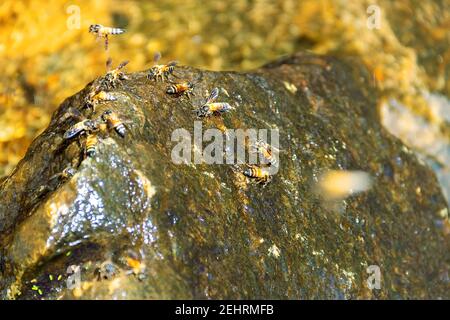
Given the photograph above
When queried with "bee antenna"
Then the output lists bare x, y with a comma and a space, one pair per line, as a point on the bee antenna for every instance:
109, 63
157, 56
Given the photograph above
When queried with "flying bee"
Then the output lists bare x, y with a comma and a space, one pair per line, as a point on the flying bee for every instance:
113, 122
210, 107
97, 96
178, 89
161, 71
261, 175
266, 151
79, 128
104, 32
115, 76
91, 144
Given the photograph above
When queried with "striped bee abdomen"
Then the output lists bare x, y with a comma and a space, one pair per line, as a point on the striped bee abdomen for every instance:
172, 89
260, 175
91, 144
220, 107
114, 31
253, 172
120, 129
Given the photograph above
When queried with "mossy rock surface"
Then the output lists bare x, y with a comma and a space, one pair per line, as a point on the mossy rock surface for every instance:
204, 231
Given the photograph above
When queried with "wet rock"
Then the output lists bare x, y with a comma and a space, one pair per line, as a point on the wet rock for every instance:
130, 223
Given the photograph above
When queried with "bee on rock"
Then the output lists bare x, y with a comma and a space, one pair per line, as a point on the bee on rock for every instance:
91, 144
210, 107
112, 120
135, 264
115, 76
260, 175
161, 71
267, 151
81, 127
104, 32
183, 88
98, 96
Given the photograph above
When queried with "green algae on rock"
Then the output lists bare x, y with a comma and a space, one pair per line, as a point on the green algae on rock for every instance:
201, 231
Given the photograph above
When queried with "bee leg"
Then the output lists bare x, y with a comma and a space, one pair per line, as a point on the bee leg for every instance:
266, 180
90, 106
106, 42
75, 163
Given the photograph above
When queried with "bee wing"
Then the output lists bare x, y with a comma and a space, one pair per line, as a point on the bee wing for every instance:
157, 56
72, 132
213, 95
108, 64
229, 106
273, 149
98, 37
172, 63
123, 64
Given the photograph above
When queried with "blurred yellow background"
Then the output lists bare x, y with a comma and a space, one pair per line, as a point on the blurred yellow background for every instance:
47, 53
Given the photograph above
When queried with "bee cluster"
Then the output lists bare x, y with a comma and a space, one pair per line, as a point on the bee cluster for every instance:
89, 130
260, 174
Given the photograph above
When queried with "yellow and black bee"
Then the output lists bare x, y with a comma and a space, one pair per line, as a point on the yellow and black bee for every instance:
210, 107
135, 264
161, 71
98, 96
104, 32
80, 128
113, 122
178, 89
115, 76
91, 144
261, 175
265, 150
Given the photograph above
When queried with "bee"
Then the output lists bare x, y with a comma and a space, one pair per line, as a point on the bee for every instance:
261, 175
115, 76
186, 88
98, 96
80, 128
161, 71
265, 150
135, 263
104, 32
91, 144
113, 122
210, 107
